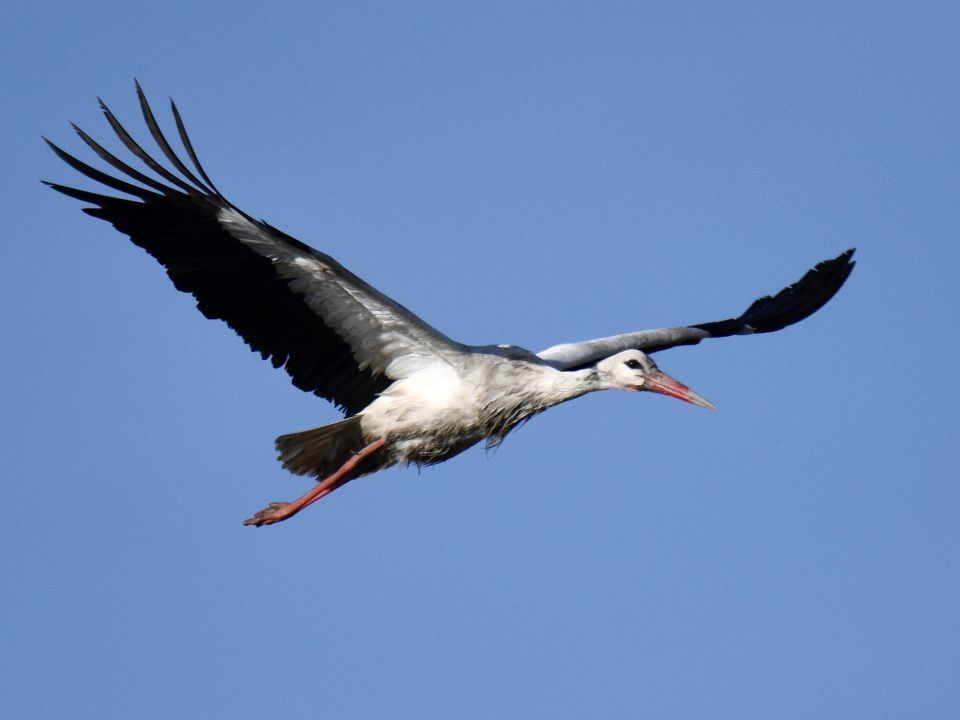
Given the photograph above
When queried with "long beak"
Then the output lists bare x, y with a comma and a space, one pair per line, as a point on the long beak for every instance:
659, 382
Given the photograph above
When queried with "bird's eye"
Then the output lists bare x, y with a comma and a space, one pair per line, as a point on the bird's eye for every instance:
633, 364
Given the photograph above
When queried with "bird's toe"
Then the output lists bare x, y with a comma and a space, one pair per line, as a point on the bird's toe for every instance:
274, 512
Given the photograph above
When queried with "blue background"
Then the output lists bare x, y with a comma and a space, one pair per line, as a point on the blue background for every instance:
525, 173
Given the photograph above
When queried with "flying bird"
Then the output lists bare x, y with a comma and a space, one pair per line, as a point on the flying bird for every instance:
408, 392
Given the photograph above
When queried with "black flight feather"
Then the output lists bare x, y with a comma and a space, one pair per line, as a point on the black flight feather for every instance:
178, 225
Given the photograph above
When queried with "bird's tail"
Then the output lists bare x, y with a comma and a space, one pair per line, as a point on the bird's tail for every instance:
321, 450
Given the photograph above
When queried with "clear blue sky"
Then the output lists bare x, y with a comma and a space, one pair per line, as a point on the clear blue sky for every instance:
528, 174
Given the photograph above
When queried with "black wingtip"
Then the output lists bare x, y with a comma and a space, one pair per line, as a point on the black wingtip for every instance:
800, 300
792, 304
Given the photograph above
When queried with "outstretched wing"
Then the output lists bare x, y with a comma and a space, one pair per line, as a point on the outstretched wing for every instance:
336, 336
767, 314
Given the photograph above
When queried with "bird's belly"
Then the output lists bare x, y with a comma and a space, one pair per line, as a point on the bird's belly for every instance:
426, 417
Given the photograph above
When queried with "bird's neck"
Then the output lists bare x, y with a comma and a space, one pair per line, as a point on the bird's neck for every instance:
542, 388
563, 385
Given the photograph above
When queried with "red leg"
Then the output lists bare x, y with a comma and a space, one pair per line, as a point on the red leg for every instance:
277, 511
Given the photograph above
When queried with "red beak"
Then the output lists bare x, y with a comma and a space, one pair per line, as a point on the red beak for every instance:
659, 382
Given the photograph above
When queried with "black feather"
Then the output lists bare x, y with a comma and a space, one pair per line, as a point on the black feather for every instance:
790, 305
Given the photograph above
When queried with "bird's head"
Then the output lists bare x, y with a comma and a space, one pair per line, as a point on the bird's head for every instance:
634, 370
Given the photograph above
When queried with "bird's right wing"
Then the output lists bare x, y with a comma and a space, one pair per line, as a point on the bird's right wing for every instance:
767, 314
336, 335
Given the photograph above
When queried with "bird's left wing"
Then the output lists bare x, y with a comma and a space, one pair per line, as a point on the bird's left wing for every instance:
767, 314
336, 335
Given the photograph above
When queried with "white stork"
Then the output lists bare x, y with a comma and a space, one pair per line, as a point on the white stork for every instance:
409, 393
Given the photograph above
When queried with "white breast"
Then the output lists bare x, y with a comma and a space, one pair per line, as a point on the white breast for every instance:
432, 397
